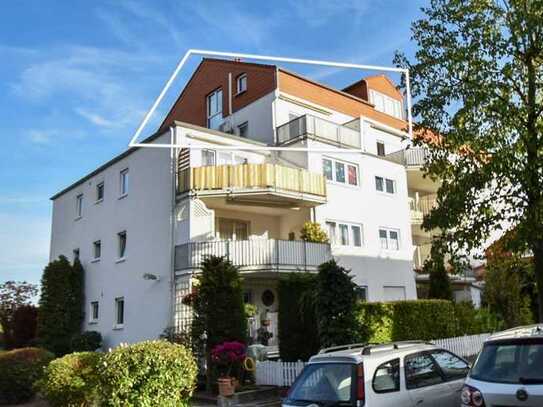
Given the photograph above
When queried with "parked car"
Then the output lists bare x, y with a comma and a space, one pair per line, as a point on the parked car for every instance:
508, 371
399, 374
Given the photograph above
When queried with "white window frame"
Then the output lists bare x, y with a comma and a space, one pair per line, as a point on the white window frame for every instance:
211, 116
380, 100
246, 126
92, 318
97, 248
79, 206
346, 165
119, 325
241, 83
208, 151
124, 179
384, 191
98, 186
389, 240
121, 252
335, 235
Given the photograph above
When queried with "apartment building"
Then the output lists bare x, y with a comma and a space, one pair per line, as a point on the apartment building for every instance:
142, 223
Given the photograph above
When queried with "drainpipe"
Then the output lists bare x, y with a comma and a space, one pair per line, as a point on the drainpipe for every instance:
230, 95
173, 171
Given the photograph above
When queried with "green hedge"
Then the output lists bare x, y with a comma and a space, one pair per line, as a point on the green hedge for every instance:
152, 373
298, 332
19, 369
71, 380
406, 320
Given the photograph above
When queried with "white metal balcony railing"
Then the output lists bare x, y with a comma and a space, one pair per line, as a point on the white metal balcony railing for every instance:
421, 207
322, 129
261, 254
411, 157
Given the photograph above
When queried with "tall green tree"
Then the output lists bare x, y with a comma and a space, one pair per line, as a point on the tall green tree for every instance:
61, 305
13, 295
477, 79
440, 284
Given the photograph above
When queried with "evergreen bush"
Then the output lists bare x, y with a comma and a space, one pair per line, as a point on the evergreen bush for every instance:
19, 369
24, 324
87, 341
61, 305
152, 373
71, 380
297, 319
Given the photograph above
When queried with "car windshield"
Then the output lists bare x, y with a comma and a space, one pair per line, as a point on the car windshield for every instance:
515, 362
327, 384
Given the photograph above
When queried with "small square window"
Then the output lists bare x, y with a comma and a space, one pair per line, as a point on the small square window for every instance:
119, 311
208, 157
123, 189
242, 83
390, 186
79, 205
243, 130
99, 192
122, 244
94, 311
379, 184
97, 248
381, 148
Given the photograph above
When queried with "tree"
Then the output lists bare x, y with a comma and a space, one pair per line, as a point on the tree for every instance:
25, 320
440, 284
61, 305
12, 296
477, 79
503, 293
335, 302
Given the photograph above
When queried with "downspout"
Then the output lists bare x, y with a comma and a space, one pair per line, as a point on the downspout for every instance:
172, 225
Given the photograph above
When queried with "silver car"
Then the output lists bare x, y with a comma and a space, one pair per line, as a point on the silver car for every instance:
401, 374
508, 371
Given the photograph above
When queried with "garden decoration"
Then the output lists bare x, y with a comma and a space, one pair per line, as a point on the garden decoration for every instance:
228, 358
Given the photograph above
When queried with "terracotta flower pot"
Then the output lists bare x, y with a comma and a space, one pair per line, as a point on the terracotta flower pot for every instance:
225, 386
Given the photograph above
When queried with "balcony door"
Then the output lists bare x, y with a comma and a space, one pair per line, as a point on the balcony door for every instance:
233, 229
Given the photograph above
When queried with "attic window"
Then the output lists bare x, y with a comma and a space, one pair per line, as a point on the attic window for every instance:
386, 104
241, 83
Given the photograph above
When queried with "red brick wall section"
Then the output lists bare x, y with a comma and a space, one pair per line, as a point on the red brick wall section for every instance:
212, 74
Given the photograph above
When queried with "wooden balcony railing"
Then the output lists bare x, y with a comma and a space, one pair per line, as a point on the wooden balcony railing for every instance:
255, 255
411, 157
321, 129
252, 176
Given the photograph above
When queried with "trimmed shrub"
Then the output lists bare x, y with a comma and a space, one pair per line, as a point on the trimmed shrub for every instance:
87, 341
297, 320
24, 323
312, 232
71, 380
152, 373
61, 305
19, 369
406, 320
335, 303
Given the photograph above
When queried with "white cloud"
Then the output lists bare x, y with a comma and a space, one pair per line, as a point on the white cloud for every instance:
95, 118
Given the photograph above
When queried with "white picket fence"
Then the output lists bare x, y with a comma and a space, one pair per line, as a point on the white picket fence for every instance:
278, 373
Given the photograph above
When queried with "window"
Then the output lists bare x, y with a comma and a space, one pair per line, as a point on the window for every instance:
99, 192
421, 371
386, 104
452, 366
119, 311
361, 292
97, 249
123, 182
208, 157
381, 148
94, 311
385, 185
387, 377
393, 293
122, 244
79, 206
390, 239
243, 129
242, 83
214, 109
344, 234
340, 172
75, 253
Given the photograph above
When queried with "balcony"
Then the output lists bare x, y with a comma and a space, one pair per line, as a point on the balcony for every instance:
421, 253
410, 157
270, 184
319, 129
421, 206
267, 255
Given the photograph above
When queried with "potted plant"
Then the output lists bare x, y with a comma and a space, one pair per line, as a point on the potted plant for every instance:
228, 357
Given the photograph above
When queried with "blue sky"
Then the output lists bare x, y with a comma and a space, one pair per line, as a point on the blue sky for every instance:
77, 77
